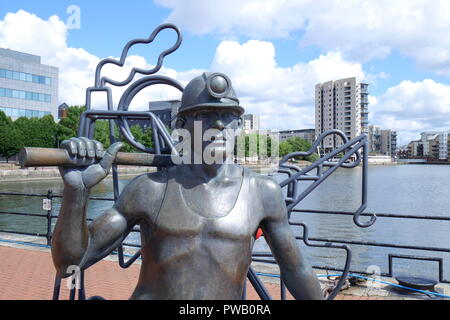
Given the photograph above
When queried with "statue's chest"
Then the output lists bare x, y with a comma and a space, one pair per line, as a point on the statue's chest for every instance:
237, 221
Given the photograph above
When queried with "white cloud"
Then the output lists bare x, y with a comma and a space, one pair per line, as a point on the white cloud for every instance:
23, 31
26, 32
265, 18
284, 96
413, 107
360, 29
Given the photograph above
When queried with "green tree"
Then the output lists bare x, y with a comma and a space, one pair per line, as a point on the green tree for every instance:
4, 119
11, 140
253, 144
68, 127
101, 132
140, 135
38, 133
297, 144
285, 148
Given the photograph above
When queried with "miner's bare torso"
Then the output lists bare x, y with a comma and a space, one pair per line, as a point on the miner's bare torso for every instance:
213, 245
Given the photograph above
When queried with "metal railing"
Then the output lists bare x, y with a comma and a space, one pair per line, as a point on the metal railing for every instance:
262, 257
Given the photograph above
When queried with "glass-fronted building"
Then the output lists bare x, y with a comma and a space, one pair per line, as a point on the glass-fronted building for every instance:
27, 87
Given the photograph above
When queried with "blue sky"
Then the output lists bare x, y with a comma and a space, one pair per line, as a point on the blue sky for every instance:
274, 51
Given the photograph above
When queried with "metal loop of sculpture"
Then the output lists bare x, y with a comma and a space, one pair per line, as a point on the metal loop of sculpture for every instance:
164, 146
349, 148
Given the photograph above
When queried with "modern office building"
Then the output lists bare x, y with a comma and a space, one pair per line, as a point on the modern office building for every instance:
341, 104
251, 122
306, 134
28, 88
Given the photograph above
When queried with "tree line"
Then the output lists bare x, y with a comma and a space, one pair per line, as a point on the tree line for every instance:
46, 133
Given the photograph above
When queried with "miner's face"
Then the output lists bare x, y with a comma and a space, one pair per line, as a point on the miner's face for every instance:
213, 131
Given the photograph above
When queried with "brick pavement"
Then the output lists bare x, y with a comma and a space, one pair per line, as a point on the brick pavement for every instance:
29, 275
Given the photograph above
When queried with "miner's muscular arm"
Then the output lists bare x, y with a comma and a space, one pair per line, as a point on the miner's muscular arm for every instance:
74, 243
298, 276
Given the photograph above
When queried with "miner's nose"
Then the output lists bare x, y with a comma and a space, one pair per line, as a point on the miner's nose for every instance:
218, 124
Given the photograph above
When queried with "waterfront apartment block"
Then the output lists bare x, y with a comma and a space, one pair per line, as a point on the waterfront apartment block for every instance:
382, 142
374, 139
389, 142
251, 122
28, 88
434, 145
306, 134
341, 104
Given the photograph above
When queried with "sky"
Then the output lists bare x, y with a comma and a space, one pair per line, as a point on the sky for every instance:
273, 51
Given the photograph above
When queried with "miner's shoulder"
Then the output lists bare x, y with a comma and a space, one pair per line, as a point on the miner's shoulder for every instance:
264, 182
143, 192
156, 179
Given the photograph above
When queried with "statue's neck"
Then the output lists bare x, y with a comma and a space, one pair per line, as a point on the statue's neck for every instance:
208, 172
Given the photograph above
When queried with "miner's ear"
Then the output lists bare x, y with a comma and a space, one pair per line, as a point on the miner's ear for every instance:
180, 122
240, 121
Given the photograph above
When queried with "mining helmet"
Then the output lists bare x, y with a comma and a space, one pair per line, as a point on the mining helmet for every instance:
210, 90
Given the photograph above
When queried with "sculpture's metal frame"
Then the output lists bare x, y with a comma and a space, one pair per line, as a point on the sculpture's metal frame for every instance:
164, 148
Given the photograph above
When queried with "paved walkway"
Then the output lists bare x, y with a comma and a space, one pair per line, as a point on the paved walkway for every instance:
29, 275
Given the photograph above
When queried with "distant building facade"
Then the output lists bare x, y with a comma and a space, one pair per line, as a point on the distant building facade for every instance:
389, 142
251, 122
166, 111
62, 111
28, 88
382, 142
341, 104
374, 139
306, 134
433, 145
444, 145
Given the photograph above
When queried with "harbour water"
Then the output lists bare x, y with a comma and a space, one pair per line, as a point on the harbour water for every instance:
401, 189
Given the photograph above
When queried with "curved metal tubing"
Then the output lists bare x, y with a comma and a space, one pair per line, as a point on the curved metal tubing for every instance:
91, 115
125, 264
128, 96
100, 82
350, 148
348, 258
324, 159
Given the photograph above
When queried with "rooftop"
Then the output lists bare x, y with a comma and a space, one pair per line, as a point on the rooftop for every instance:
25, 57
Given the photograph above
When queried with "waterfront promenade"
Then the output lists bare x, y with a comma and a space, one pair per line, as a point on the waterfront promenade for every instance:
27, 273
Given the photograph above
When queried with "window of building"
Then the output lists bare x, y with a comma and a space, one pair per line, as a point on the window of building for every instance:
22, 76
14, 112
26, 95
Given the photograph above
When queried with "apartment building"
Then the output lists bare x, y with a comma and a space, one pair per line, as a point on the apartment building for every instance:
341, 104
388, 142
435, 145
251, 122
374, 138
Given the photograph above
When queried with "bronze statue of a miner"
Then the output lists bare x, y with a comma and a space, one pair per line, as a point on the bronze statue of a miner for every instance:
197, 220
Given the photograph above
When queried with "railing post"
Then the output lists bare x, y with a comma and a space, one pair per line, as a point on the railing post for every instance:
49, 217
